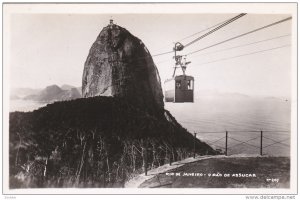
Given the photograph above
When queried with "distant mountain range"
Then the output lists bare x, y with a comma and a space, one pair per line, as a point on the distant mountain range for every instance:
216, 95
49, 94
69, 87
67, 92
19, 93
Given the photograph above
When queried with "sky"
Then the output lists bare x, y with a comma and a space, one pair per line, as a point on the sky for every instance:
49, 49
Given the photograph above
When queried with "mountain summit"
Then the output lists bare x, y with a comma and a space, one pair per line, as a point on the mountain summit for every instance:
120, 65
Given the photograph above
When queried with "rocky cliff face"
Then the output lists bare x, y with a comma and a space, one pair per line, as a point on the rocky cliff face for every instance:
119, 64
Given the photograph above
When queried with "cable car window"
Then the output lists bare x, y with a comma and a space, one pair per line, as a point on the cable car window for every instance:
190, 84
178, 84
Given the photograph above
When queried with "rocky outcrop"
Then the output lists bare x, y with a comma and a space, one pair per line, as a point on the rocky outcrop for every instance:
120, 65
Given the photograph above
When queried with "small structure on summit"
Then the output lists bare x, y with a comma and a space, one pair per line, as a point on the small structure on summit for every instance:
120, 65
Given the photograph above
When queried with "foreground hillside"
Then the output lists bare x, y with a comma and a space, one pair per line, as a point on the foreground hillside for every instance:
93, 142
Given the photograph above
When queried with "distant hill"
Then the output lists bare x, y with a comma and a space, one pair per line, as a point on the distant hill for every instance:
93, 142
215, 95
54, 93
67, 87
200, 93
14, 97
22, 92
277, 98
79, 90
235, 96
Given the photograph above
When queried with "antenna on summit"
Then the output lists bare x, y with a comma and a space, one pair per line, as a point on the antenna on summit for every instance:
111, 22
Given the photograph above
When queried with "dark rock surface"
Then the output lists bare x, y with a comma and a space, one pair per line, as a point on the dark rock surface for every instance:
120, 65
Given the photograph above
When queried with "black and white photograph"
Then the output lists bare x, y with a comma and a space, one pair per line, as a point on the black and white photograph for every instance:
187, 98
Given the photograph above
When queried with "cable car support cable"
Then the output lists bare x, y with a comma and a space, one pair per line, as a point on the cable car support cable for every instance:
223, 24
234, 47
204, 30
215, 29
242, 55
241, 35
244, 45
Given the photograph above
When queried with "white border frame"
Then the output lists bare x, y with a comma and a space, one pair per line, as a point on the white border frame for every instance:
150, 8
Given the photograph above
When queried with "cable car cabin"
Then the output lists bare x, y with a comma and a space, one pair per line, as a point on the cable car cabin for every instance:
179, 89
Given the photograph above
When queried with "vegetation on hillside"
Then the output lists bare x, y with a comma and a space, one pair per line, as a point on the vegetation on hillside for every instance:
92, 142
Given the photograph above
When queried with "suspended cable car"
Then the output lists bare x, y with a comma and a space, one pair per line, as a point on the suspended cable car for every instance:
179, 88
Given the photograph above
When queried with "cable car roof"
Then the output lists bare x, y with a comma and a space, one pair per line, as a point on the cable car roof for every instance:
180, 77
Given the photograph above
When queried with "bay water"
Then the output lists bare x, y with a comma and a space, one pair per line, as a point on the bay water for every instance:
243, 119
